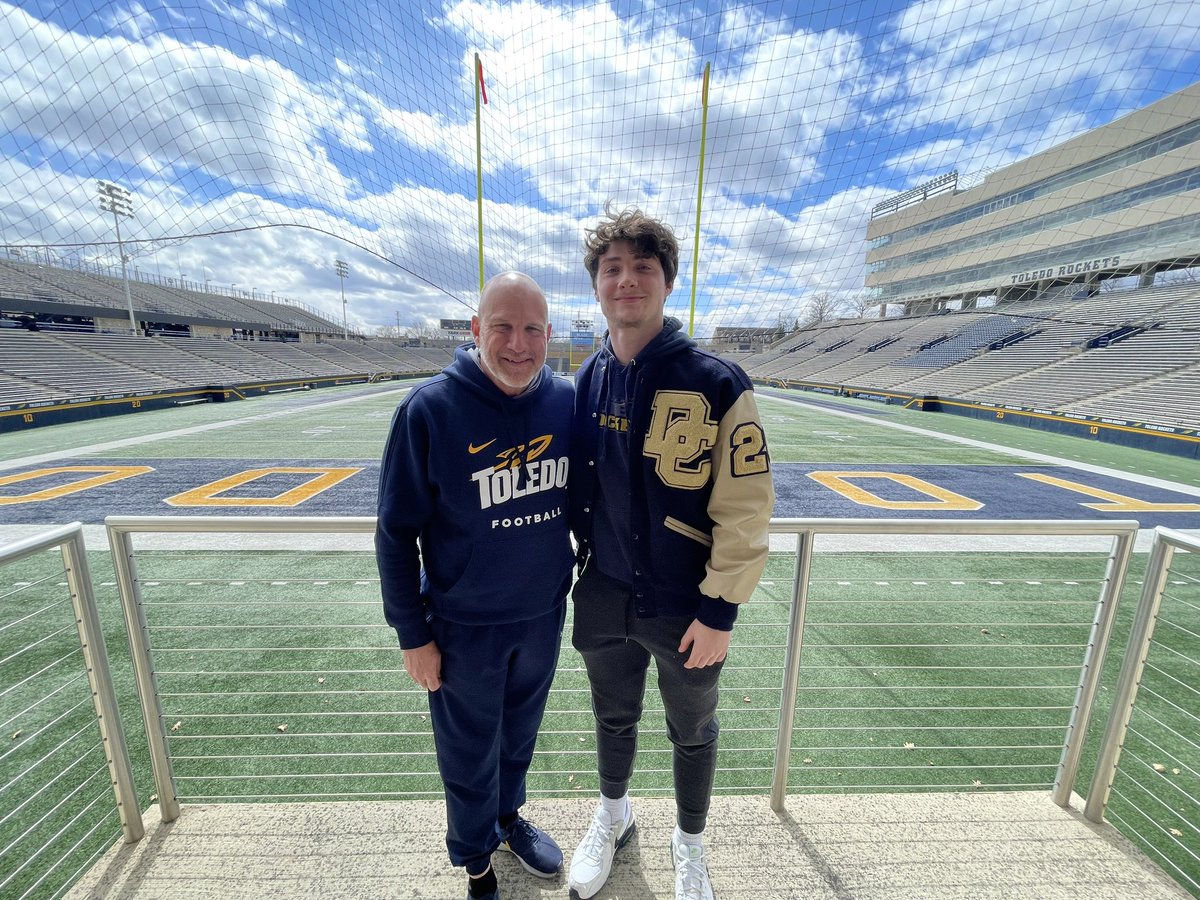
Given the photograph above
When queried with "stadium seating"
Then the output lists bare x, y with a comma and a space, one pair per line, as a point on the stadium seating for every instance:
1132, 355
1024, 354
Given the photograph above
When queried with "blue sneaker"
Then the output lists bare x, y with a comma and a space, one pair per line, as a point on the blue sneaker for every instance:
533, 847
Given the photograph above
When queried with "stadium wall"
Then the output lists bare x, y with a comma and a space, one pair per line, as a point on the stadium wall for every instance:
1183, 442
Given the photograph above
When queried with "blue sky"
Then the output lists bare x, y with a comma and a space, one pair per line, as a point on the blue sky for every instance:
347, 130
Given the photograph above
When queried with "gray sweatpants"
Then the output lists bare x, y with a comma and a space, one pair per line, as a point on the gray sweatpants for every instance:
617, 646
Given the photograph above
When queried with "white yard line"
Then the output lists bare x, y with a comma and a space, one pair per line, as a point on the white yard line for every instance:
182, 432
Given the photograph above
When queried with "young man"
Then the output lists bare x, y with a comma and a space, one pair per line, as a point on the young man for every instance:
475, 563
670, 501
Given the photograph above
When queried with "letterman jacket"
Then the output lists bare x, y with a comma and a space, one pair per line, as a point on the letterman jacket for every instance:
700, 480
472, 502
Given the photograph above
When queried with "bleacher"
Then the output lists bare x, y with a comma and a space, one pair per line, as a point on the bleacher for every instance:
63, 366
73, 289
69, 371
238, 359
1132, 355
1023, 354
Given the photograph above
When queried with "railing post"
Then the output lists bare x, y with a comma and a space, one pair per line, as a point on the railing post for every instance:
791, 668
112, 734
1093, 665
143, 668
1121, 711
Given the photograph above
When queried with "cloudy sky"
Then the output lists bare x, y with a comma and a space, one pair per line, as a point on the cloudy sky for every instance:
262, 140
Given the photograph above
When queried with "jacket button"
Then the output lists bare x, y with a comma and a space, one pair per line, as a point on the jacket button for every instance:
591, 462
637, 572
587, 509
635, 537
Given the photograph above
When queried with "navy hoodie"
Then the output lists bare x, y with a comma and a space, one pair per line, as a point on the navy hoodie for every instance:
473, 501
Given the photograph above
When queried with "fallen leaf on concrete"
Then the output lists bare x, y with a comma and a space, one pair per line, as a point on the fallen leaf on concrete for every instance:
1159, 767
281, 727
909, 745
177, 726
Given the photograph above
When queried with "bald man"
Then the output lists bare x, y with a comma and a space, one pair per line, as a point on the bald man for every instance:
475, 563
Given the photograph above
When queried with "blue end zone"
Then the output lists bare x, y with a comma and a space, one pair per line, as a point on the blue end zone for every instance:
71, 490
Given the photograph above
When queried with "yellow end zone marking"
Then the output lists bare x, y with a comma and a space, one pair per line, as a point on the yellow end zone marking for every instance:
108, 475
1114, 502
840, 482
209, 494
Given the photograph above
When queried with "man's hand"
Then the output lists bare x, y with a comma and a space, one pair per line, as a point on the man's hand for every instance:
424, 665
709, 645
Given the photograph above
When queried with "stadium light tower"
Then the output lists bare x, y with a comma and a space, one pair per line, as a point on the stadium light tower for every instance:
342, 273
115, 199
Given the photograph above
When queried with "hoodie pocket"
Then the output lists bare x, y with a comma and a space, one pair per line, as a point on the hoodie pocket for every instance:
525, 573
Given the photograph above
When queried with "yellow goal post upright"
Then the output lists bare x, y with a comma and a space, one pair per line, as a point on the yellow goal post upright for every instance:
699, 197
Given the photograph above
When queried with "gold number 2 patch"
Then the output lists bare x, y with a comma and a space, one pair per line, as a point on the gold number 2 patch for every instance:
748, 453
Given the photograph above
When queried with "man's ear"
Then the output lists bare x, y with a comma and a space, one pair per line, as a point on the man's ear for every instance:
475, 329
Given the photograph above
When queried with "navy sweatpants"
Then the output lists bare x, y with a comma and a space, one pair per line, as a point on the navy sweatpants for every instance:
617, 647
486, 716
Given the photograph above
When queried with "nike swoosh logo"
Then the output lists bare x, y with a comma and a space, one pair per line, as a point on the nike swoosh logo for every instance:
471, 448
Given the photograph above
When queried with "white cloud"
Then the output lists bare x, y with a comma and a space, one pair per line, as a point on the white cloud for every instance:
134, 21
260, 121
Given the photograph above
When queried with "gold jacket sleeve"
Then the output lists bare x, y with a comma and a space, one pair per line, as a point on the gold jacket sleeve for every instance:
740, 504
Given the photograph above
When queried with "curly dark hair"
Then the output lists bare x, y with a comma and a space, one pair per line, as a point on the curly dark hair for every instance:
649, 237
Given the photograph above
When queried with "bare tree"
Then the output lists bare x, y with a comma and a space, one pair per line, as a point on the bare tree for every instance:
821, 308
864, 305
421, 329
787, 324
1190, 275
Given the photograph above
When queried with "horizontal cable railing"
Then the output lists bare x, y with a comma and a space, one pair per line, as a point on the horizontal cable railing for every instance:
279, 681
972, 670
1147, 777
66, 786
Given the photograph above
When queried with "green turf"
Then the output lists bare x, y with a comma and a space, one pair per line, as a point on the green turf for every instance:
937, 680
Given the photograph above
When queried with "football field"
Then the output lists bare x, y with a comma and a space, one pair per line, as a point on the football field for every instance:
931, 664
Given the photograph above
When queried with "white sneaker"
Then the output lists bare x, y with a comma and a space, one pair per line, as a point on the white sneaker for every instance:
691, 871
593, 857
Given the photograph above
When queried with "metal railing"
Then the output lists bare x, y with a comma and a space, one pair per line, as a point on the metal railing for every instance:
281, 681
1147, 776
986, 690
65, 757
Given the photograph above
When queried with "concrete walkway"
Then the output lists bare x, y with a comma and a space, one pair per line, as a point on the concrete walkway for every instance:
853, 847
